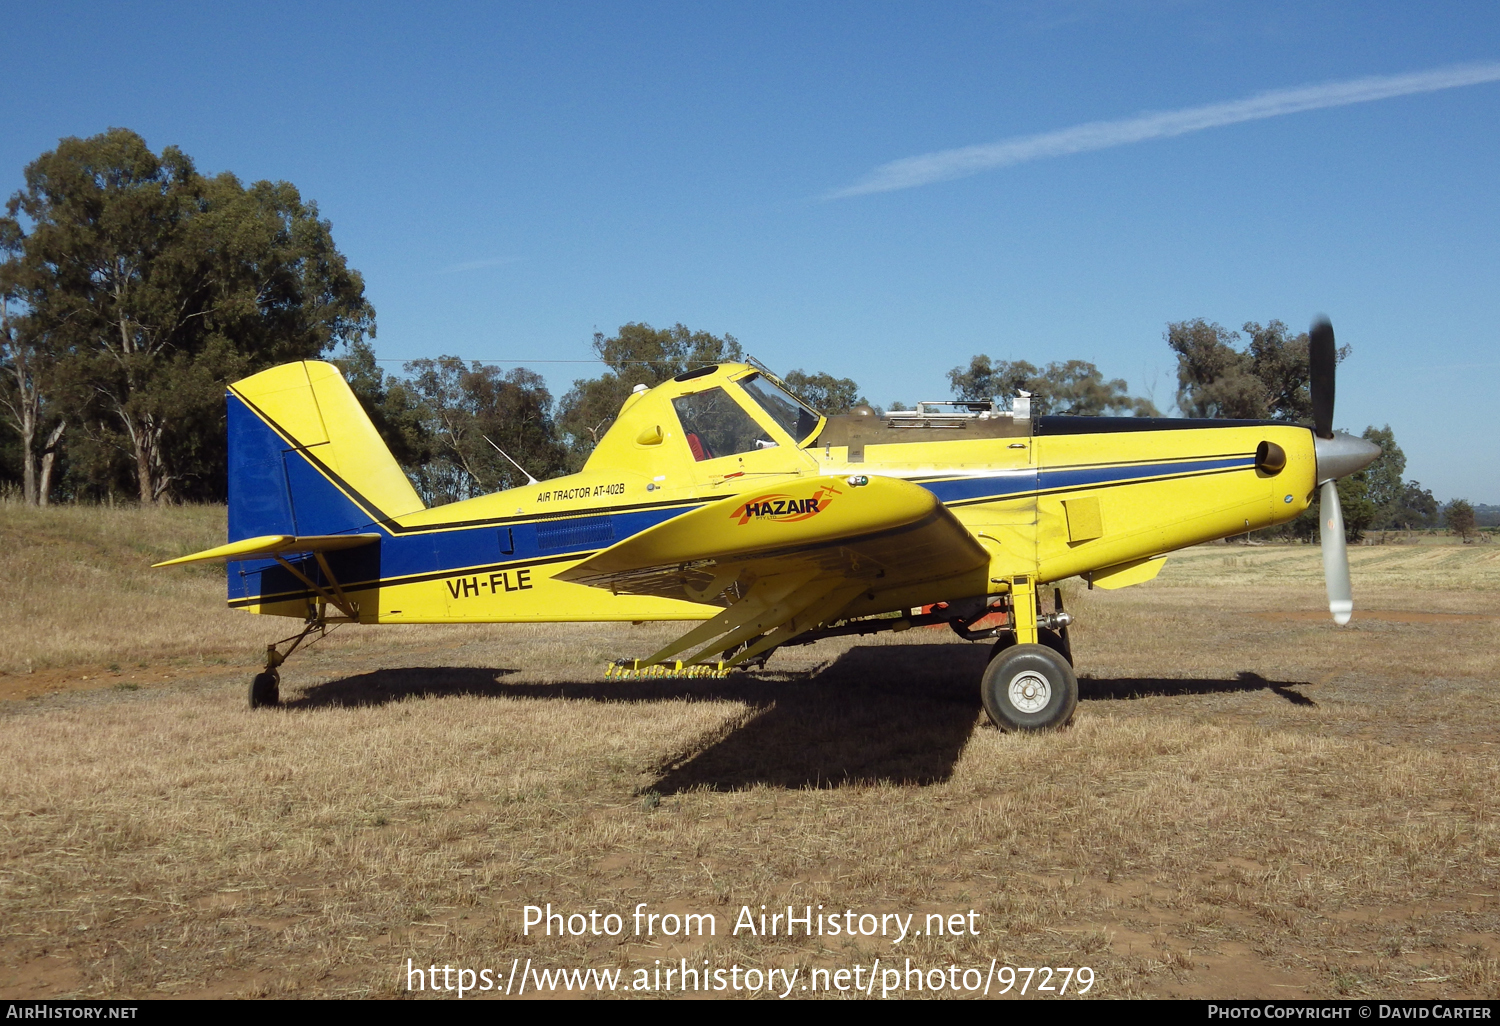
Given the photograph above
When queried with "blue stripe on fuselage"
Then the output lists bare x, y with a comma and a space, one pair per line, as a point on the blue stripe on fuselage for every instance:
1083, 477
438, 552
962, 489
275, 489
315, 505
1016, 483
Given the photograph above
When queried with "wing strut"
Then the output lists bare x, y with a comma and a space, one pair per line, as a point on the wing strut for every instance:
790, 557
821, 610
764, 606
776, 609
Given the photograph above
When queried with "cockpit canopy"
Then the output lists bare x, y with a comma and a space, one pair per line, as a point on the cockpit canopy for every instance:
709, 413
794, 416
715, 425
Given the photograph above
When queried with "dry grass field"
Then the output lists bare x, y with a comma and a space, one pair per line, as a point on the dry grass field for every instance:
1251, 802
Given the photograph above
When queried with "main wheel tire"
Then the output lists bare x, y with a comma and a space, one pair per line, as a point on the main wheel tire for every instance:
1029, 687
265, 690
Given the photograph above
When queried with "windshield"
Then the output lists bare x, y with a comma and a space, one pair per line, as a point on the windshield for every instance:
715, 425
795, 419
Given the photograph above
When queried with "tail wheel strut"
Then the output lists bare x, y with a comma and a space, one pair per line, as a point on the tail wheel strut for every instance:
265, 689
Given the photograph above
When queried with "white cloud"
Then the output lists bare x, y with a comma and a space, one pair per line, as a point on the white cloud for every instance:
944, 165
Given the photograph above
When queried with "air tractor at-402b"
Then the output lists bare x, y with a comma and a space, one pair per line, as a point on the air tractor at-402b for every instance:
720, 499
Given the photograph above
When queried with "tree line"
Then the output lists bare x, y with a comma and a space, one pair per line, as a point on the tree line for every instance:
133, 288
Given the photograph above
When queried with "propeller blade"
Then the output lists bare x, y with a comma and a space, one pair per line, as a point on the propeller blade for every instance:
1335, 553
1322, 356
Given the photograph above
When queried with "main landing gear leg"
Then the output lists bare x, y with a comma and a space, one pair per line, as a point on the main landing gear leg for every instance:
1023, 609
1028, 686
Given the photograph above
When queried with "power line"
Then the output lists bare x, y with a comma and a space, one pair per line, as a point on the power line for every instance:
388, 359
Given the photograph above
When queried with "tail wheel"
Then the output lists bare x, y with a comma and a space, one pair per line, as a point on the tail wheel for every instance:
1029, 687
265, 690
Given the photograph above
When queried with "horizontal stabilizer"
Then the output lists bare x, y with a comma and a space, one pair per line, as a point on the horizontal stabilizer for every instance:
275, 545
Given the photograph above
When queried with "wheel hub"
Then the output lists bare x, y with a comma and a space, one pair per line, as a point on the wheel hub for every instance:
1030, 691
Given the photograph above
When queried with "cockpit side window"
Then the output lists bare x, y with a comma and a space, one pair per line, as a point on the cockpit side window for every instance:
715, 425
795, 419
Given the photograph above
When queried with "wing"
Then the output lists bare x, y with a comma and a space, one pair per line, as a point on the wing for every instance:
786, 559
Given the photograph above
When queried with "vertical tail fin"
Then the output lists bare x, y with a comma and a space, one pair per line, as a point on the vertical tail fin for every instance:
304, 458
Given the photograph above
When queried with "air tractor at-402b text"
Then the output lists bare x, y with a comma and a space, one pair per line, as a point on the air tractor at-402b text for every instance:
721, 499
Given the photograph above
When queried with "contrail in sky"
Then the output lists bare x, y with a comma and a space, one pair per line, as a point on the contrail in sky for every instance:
943, 165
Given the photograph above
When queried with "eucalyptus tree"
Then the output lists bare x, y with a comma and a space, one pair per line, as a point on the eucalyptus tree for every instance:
637, 354
824, 392
475, 419
24, 403
1067, 387
153, 285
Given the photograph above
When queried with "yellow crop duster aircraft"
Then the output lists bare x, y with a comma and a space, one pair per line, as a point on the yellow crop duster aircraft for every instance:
720, 498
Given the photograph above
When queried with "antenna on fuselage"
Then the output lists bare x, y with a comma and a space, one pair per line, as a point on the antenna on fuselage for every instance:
529, 479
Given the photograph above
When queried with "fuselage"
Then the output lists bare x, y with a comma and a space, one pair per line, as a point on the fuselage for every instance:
1052, 497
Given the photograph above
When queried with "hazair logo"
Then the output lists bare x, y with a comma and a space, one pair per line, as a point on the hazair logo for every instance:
784, 508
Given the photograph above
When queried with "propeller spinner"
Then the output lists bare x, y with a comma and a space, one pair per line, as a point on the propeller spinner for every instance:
1338, 455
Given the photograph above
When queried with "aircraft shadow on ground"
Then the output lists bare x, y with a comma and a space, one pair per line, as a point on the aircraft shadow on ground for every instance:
898, 713
895, 713
382, 687
1092, 689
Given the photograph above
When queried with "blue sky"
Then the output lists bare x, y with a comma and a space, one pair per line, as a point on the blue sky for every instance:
510, 177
